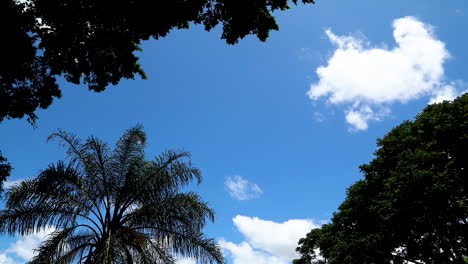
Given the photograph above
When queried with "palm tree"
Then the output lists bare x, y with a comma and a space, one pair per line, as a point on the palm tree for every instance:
112, 206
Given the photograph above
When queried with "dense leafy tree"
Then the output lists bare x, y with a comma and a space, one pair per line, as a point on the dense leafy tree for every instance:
5, 169
113, 206
412, 204
26, 82
93, 42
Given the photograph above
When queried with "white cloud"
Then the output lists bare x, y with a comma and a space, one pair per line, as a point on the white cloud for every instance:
182, 260
243, 253
9, 184
23, 248
359, 118
446, 93
4, 259
319, 117
367, 80
266, 241
241, 189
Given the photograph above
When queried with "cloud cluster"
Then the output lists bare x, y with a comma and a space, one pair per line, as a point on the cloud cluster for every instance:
241, 189
22, 250
367, 80
243, 253
266, 241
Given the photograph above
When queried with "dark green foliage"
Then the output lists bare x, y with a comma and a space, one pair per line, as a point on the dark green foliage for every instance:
113, 206
26, 82
5, 170
93, 42
412, 204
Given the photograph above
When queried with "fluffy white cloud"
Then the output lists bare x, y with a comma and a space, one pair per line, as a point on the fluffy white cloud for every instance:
446, 93
243, 253
241, 189
359, 117
23, 248
266, 241
5, 259
368, 79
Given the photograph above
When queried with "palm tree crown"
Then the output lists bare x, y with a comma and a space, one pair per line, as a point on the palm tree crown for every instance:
113, 206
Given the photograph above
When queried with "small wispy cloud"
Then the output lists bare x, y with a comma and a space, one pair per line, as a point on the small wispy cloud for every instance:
306, 54
241, 189
319, 117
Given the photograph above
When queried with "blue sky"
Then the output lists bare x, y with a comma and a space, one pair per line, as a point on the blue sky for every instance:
278, 141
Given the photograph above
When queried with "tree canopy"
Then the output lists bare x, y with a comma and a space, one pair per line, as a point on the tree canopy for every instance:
5, 169
113, 206
412, 205
94, 42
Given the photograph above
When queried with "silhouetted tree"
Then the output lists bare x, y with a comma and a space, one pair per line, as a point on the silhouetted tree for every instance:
5, 169
113, 206
412, 204
93, 42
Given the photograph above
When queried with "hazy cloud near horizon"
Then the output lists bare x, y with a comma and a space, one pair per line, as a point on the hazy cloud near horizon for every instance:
266, 242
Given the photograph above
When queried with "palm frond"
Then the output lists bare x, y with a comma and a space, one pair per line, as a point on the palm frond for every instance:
75, 149
58, 185
129, 147
177, 165
164, 177
97, 156
184, 210
191, 243
63, 246
26, 220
